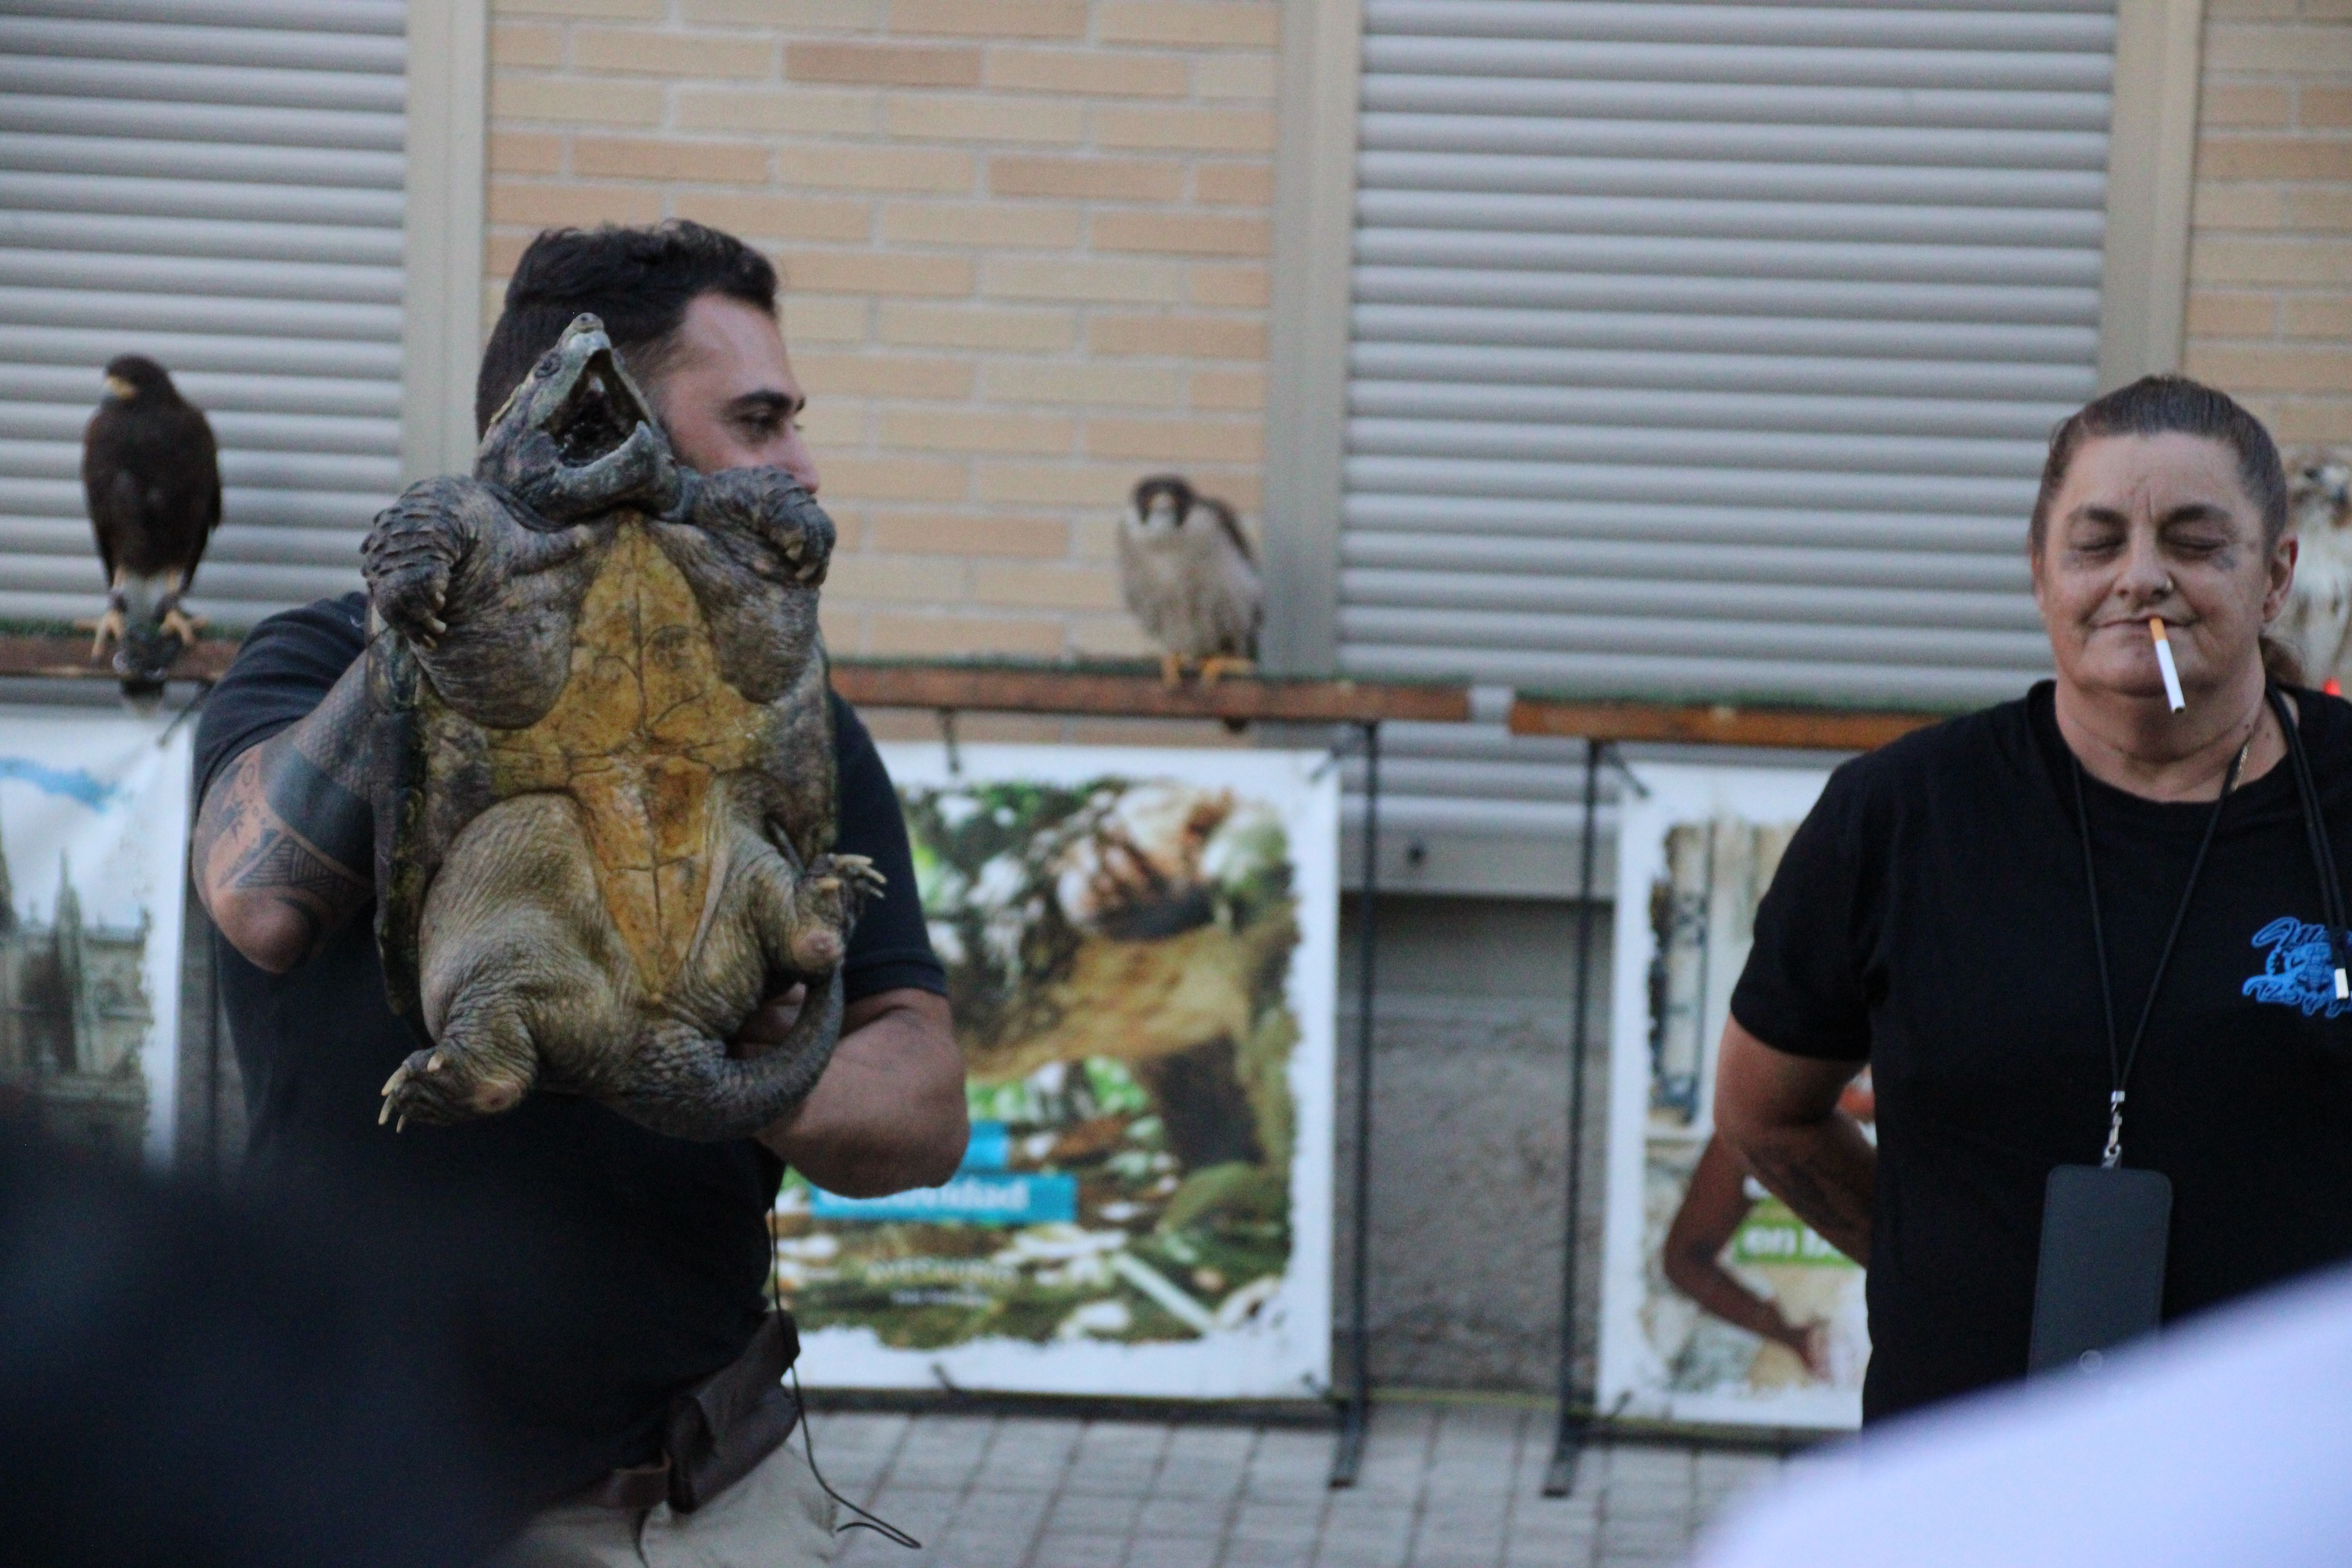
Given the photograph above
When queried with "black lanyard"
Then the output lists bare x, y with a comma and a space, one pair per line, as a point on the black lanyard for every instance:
2331, 893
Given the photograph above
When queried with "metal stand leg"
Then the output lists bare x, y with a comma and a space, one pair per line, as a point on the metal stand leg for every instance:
1567, 1440
1356, 1412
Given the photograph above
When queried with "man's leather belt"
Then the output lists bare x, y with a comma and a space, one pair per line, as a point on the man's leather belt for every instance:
718, 1430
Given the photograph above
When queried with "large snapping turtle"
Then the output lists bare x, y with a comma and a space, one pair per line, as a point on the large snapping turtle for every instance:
605, 782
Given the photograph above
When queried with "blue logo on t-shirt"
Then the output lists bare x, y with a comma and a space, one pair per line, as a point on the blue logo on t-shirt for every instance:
2300, 972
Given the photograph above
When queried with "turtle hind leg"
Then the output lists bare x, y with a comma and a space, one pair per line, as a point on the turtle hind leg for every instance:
483, 1063
684, 1084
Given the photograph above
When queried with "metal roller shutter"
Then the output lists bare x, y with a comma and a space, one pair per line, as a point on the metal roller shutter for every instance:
1708, 350
216, 184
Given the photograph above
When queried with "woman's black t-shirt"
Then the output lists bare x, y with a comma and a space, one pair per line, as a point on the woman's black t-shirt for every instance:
590, 1269
1931, 917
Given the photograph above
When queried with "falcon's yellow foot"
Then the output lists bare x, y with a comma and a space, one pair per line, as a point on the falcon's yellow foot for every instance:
183, 625
108, 627
1211, 669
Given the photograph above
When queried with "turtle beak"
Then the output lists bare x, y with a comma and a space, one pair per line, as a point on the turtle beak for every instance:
599, 411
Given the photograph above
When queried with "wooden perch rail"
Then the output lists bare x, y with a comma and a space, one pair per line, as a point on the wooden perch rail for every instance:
1718, 724
1109, 690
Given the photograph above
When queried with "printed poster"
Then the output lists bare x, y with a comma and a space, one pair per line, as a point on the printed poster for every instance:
93, 840
1719, 1305
1140, 948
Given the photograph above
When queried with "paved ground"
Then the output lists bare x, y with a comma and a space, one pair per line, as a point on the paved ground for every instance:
1443, 1487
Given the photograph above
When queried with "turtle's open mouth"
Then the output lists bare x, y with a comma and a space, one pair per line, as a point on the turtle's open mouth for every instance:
597, 415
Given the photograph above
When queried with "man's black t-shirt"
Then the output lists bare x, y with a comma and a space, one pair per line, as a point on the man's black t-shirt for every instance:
593, 1269
1931, 916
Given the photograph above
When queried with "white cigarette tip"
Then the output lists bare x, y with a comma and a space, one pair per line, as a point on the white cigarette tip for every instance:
2171, 672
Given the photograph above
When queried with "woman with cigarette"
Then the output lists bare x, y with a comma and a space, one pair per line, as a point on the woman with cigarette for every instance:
2098, 928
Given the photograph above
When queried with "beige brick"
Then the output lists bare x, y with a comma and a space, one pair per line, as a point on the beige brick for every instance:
2236, 206
2231, 259
543, 206
940, 169
1227, 389
858, 476
1118, 636
1242, 77
876, 272
2323, 108
641, 52
1102, 73
902, 579
791, 16
788, 218
1234, 185
1177, 440
1095, 536
894, 65
2240, 10
526, 44
572, 102
669, 158
991, 18
2318, 316
2284, 52
941, 118
2317, 421
649, 10
1099, 179
524, 153
1188, 22
1231, 286
2281, 369
960, 533
2321, 209
1027, 226
2217, 315
977, 327
2275, 158
2246, 103
1035, 585
812, 111
825, 318
837, 423
1104, 485
970, 430
1181, 234
1045, 381
884, 375
502, 248
1177, 337
1156, 126
1039, 278
949, 637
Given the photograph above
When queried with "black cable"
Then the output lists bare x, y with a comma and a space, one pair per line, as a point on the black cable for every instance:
865, 1521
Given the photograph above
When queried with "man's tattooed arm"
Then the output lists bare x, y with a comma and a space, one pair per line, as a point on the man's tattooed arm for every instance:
284, 849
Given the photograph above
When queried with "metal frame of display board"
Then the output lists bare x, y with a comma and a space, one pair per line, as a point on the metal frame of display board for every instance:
1129, 692
1600, 724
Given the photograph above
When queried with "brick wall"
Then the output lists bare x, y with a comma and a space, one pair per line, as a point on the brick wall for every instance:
2269, 262
1025, 248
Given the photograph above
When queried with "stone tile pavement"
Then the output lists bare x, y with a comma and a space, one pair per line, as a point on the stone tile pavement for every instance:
1442, 1487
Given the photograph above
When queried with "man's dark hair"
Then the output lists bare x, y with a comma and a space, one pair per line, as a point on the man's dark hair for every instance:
640, 281
2170, 405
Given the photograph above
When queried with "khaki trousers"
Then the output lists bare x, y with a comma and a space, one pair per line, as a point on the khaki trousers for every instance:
776, 1517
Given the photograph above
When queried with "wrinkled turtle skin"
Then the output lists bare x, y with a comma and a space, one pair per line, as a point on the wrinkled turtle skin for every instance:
604, 779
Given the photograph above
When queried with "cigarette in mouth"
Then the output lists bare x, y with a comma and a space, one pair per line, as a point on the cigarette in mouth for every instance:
2163, 662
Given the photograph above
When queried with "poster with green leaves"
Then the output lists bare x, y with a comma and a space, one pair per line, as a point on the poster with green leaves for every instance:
1140, 947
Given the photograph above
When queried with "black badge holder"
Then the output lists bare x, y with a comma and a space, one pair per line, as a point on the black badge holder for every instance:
2104, 1230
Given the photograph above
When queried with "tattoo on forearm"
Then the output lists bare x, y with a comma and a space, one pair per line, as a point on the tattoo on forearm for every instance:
1838, 1215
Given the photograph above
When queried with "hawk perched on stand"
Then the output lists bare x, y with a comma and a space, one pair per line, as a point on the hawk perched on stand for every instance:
2316, 623
151, 472
1189, 575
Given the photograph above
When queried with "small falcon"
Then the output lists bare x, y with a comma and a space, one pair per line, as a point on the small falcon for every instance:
1189, 575
2316, 623
151, 472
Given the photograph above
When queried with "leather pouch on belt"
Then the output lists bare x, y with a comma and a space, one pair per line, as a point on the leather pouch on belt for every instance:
722, 1429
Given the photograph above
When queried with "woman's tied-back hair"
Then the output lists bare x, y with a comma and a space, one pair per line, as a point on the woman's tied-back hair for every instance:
638, 280
2169, 406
